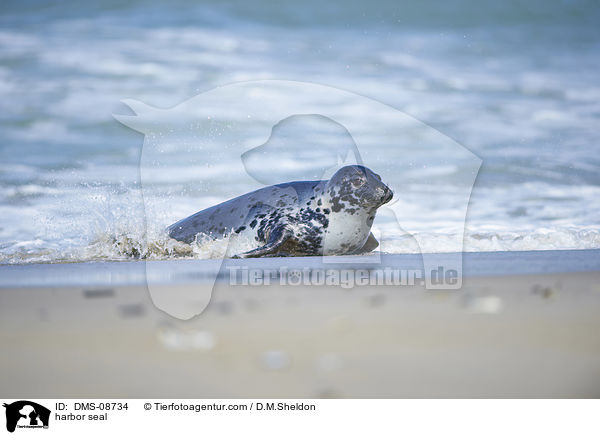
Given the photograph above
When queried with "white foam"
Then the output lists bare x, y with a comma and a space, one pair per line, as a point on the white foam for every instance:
482, 241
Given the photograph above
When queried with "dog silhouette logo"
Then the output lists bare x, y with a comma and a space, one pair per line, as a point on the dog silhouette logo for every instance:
26, 414
245, 136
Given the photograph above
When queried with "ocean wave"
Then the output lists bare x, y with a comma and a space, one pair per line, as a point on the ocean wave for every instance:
515, 83
134, 245
541, 239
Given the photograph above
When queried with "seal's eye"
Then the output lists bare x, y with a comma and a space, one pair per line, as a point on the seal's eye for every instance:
357, 181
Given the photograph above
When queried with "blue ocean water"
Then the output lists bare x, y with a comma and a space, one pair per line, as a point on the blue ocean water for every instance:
514, 82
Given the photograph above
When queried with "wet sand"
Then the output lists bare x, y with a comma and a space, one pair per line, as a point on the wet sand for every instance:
499, 336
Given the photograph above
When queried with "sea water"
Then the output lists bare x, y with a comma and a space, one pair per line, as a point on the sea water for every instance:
515, 83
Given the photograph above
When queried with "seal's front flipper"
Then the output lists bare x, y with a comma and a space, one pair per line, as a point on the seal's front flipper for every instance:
369, 245
273, 248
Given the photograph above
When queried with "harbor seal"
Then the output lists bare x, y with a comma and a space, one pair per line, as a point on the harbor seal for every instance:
299, 218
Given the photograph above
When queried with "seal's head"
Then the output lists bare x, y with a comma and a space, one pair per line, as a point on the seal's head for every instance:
357, 187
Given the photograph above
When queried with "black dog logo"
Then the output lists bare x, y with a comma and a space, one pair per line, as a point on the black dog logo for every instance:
27, 410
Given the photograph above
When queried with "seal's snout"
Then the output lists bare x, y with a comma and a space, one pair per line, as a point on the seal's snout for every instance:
383, 194
387, 194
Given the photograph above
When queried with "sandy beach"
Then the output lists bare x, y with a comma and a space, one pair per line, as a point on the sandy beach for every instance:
502, 335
